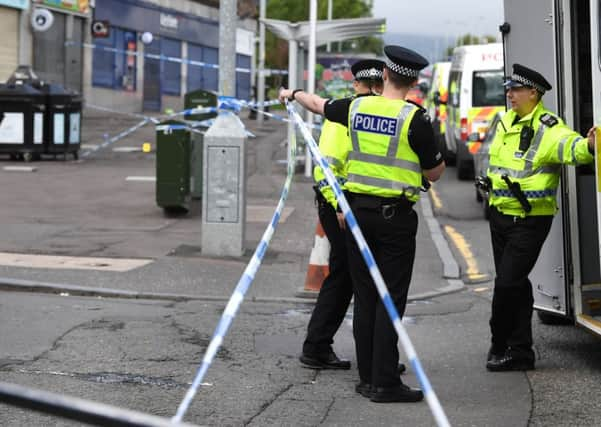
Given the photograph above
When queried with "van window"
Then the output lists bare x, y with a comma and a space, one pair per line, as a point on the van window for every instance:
488, 88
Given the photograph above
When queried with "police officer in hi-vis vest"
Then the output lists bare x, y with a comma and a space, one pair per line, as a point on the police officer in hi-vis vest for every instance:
390, 145
337, 289
528, 149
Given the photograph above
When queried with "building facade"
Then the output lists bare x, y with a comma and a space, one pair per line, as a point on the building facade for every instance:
11, 13
130, 55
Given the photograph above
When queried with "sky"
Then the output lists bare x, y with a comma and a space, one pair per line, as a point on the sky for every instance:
448, 18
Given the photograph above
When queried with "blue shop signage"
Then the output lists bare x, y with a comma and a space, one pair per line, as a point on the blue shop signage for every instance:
140, 16
17, 4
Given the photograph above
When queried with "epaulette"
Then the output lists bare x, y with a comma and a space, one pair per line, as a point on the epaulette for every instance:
548, 120
420, 109
416, 104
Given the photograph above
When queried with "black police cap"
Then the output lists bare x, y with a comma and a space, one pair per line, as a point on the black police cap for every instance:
524, 76
404, 61
368, 69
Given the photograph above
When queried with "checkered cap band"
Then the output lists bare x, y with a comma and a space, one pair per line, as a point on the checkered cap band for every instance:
527, 82
402, 70
371, 73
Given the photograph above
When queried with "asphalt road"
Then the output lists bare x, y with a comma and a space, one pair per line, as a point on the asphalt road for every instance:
142, 354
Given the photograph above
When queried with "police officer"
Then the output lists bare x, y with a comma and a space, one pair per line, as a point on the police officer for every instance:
529, 146
391, 145
336, 291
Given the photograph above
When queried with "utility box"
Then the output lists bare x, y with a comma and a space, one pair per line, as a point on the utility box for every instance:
22, 121
173, 181
199, 99
224, 188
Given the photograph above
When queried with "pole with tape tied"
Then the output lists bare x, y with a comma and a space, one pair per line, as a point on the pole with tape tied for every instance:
319, 263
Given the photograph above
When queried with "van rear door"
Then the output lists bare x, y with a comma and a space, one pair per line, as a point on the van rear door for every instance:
532, 42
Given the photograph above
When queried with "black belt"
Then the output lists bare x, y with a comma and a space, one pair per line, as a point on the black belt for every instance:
387, 205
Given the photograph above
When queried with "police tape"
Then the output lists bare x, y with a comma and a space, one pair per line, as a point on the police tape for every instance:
109, 141
161, 57
192, 127
234, 104
433, 402
110, 110
239, 292
225, 103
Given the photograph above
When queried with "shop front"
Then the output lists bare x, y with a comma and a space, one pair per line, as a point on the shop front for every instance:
58, 50
152, 55
10, 11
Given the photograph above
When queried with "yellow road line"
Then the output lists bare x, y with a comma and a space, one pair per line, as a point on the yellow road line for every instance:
435, 198
473, 271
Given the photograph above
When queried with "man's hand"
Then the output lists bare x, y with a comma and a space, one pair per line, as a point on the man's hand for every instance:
285, 94
341, 222
590, 135
309, 101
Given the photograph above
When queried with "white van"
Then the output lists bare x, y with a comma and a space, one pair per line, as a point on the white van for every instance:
436, 100
476, 94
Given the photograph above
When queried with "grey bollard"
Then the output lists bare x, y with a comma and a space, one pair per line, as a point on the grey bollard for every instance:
224, 188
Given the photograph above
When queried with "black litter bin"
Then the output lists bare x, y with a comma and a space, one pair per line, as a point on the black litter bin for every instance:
63, 120
22, 125
173, 153
200, 98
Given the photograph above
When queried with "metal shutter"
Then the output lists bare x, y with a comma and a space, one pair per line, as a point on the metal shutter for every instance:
9, 30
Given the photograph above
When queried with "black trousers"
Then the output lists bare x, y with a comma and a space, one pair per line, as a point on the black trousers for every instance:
516, 243
390, 235
336, 291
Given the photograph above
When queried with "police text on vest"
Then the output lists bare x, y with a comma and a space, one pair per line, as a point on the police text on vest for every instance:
375, 124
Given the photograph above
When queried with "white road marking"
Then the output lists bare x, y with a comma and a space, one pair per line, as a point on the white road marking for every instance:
68, 262
141, 178
20, 168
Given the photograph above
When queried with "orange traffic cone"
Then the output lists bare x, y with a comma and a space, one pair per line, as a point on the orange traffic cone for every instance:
318, 264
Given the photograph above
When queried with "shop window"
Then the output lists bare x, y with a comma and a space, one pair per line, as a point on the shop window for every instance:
243, 77
172, 70
199, 77
115, 69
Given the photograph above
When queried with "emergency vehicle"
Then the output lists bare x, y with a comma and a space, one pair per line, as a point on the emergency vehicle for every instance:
562, 40
476, 94
436, 100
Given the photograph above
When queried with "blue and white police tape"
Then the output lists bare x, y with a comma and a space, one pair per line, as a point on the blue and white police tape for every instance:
433, 402
168, 58
110, 110
191, 127
241, 288
109, 141
231, 103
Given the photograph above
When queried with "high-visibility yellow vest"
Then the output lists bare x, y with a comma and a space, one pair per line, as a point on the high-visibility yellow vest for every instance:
381, 161
333, 147
442, 107
537, 169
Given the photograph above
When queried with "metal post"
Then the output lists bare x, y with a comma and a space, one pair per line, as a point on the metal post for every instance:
311, 77
224, 165
329, 19
227, 47
292, 53
261, 75
224, 188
